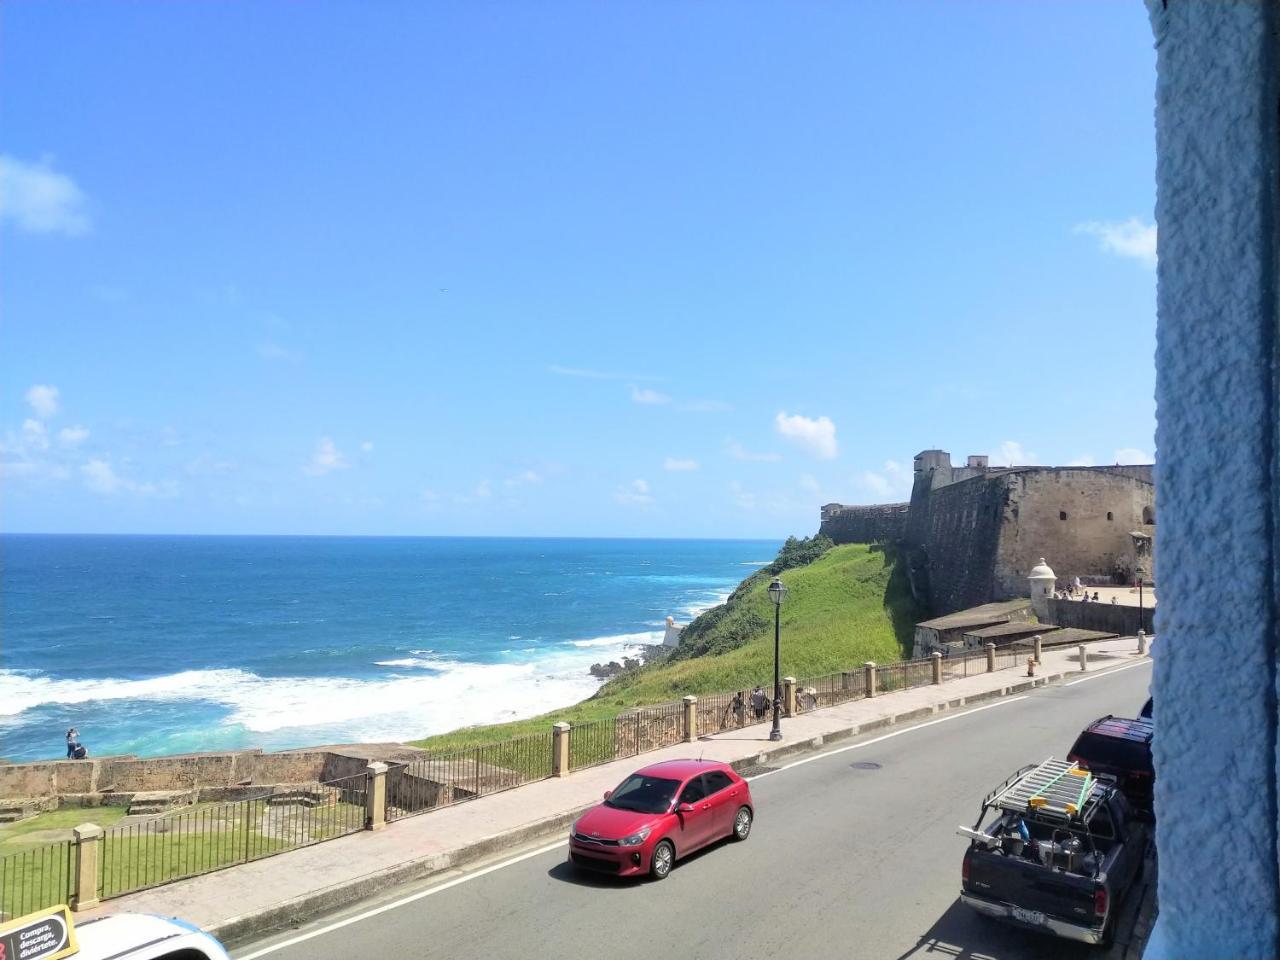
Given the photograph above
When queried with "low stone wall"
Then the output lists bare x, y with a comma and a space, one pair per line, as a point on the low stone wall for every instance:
878, 523
1106, 617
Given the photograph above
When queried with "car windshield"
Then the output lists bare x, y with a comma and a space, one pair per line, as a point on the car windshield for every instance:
643, 794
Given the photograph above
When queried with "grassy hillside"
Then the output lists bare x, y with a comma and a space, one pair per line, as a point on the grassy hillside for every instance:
850, 605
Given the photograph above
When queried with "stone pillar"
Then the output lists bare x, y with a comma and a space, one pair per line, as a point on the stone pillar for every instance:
936, 657
846, 681
991, 658
1218, 403
1142, 643
560, 749
1084, 658
869, 678
788, 696
690, 719
376, 797
1039, 643
84, 882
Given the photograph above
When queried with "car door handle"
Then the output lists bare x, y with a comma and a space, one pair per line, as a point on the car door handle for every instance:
706, 806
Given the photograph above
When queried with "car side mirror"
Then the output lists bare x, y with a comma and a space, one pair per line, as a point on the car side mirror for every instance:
608, 794
684, 808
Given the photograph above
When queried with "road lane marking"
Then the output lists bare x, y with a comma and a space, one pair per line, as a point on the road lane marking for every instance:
403, 901
560, 844
887, 736
1107, 673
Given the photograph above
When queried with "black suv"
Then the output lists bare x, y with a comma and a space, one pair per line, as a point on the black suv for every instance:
1121, 748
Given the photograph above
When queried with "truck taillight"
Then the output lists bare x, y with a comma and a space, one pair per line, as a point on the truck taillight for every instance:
1072, 758
1100, 902
964, 866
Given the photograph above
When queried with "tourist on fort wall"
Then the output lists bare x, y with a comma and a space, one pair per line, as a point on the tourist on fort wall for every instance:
74, 750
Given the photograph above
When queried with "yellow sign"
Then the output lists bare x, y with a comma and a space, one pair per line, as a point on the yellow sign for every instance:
45, 935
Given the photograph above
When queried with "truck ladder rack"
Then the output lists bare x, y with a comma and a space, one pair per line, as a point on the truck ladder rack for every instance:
1052, 787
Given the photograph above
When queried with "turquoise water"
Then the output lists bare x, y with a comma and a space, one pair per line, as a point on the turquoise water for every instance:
154, 645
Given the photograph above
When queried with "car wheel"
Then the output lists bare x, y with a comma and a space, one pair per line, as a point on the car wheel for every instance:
742, 823
663, 859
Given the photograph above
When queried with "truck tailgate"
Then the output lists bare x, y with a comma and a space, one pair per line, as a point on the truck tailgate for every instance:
1031, 886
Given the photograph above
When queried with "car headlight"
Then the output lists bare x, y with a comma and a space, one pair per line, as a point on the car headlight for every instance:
636, 838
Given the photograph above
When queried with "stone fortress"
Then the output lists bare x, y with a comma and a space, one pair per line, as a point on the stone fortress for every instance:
971, 534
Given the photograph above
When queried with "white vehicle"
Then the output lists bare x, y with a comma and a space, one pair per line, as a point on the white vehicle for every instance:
140, 936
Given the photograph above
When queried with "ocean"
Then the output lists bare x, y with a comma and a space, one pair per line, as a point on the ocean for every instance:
155, 645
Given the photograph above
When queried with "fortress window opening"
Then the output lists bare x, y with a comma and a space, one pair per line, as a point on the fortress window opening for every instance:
1148, 516
1062, 514
1109, 516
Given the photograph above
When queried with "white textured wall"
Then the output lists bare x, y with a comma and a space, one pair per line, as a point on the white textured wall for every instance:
1217, 472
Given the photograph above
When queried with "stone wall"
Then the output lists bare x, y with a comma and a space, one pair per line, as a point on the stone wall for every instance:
953, 539
1080, 519
1106, 617
880, 523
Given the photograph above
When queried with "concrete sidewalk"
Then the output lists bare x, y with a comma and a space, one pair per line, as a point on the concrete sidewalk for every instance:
244, 901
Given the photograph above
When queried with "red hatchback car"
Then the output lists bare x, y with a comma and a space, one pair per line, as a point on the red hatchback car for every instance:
660, 813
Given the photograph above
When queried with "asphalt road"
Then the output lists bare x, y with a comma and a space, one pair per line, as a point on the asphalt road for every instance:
854, 854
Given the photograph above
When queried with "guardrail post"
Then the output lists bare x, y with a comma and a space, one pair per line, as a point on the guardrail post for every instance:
376, 798
869, 678
1142, 644
690, 719
936, 657
1084, 658
1039, 642
559, 749
88, 841
991, 658
788, 696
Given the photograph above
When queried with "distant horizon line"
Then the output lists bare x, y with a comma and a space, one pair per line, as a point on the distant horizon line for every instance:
384, 536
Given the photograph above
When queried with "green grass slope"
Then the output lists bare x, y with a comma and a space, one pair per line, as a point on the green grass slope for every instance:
850, 605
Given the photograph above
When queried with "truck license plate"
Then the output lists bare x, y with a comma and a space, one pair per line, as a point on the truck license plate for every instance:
1029, 916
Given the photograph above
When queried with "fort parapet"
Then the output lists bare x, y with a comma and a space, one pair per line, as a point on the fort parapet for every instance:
970, 533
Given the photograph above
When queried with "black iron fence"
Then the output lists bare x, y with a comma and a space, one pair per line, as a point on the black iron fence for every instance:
36, 878
441, 779
648, 728
904, 674
732, 711
830, 689
212, 836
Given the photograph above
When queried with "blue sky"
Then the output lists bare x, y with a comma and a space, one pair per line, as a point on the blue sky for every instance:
638, 269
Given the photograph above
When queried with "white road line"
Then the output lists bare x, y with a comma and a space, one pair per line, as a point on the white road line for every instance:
560, 844
887, 736
1107, 673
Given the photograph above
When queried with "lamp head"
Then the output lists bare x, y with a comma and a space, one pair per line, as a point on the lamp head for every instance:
777, 591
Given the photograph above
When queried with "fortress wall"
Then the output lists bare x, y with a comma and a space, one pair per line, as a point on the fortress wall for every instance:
1107, 617
872, 524
1086, 543
957, 535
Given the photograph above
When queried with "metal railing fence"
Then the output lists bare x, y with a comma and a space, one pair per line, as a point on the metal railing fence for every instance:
904, 675
33, 879
645, 729
832, 688
216, 835
591, 743
439, 780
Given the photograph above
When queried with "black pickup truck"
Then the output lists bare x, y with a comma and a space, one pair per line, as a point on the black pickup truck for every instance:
1055, 850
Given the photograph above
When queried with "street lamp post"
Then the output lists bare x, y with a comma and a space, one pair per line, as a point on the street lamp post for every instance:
776, 592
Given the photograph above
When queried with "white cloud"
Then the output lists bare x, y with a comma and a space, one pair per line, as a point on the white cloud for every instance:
891, 482
523, 478
1125, 238
1132, 455
100, 477
326, 459
1084, 460
1012, 454
37, 199
739, 452
35, 435
676, 465
741, 498
73, 436
645, 395
367, 446
635, 493
43, 400
818, 436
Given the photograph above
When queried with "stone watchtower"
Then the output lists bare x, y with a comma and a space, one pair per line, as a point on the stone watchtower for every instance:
1043, 581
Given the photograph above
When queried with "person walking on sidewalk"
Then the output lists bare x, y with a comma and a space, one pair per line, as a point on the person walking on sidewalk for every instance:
759, 703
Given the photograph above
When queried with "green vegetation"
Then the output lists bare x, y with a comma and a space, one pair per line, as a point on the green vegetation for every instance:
844, 605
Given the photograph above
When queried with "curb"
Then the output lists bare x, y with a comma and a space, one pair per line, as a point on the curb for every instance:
236, 931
